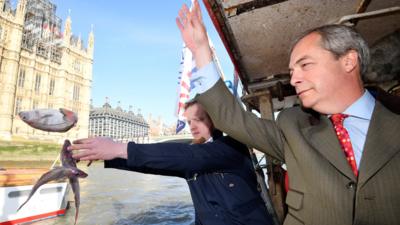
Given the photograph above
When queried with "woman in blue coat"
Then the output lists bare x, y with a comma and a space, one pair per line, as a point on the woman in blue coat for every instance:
219, 172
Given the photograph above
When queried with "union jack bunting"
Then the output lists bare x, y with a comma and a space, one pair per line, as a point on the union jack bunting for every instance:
235, 83
187, 67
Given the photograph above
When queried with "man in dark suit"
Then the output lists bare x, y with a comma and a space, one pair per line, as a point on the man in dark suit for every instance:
219, 172
338, 173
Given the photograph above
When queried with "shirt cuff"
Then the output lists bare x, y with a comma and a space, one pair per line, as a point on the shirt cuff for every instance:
203, 79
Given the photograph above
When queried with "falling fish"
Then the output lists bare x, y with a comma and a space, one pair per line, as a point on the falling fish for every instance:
67, 170
52, 120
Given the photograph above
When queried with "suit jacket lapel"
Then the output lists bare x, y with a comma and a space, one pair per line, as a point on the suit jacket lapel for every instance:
382, 142
323, 138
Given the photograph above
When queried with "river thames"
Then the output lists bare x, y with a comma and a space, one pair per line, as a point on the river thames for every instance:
115, 197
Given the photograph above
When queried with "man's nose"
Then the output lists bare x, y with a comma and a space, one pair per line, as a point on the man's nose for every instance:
295, 78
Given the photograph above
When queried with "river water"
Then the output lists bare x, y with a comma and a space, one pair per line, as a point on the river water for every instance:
115, 197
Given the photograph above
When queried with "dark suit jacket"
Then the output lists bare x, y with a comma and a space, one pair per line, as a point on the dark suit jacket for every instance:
220, 176
323, 189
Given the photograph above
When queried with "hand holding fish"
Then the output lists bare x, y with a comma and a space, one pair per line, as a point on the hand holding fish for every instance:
98, 148
67, 170
53, 120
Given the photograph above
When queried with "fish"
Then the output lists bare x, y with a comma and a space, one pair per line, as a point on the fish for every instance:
67, 170
52, 120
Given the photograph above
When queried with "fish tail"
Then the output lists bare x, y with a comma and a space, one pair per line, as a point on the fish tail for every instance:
24, 203
76, 211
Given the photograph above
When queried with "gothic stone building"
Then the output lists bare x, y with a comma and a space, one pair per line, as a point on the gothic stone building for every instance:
41, 67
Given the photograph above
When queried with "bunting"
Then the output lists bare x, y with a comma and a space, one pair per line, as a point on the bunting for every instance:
187, 67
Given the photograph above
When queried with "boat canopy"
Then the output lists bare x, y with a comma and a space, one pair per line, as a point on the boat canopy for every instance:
259, 33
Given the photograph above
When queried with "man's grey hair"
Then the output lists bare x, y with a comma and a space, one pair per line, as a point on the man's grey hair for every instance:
339, 39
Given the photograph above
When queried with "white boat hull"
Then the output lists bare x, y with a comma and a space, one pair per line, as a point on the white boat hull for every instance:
48, 201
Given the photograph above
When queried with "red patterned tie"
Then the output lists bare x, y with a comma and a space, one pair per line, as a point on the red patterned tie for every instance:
344, 139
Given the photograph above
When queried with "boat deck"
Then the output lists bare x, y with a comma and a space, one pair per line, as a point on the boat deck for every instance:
19, 177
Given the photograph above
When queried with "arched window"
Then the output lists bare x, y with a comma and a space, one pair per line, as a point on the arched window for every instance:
52, 85
38, 79
76, 91
21, 77
18, 105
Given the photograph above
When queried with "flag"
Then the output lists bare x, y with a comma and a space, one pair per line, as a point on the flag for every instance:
233, 86
187, 68
235, 83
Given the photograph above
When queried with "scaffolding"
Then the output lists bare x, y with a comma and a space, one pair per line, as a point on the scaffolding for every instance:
42, 30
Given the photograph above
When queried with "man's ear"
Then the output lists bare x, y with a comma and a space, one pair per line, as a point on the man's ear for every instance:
350, 60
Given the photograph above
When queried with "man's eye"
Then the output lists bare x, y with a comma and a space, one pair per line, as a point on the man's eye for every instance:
306, 65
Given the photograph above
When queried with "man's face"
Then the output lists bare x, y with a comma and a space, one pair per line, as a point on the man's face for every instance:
200, 125
316, 74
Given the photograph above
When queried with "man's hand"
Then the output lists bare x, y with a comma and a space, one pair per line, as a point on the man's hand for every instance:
194, 33
98, 148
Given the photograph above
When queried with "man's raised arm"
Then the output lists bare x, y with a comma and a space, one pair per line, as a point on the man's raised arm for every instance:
194, 33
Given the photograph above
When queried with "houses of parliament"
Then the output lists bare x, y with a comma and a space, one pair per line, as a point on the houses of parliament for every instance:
41, 66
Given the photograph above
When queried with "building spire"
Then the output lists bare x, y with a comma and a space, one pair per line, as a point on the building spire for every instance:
67, 29
21, 9
90, 48
107, 104
2, 2
79, 43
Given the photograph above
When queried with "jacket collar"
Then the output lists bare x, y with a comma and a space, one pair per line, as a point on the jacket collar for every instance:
322, 137
383, 128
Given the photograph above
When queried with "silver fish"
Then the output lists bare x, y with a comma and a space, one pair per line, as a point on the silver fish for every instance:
52, 120
67, 170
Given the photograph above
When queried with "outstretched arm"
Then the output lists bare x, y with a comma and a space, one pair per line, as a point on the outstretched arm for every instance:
98, 148
194, 34
173, 159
